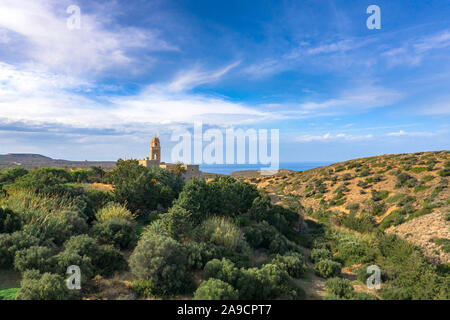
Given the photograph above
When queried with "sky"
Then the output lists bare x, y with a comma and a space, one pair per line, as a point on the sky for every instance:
334, 88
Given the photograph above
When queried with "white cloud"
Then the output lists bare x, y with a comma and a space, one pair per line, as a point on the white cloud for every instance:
361, 98
410, 134
333, 137
437, 41
414, 51
266, 67
195, 77
340, 46
438, 108
38, 29
44, 98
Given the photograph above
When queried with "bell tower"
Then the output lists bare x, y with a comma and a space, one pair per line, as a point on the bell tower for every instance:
155, 150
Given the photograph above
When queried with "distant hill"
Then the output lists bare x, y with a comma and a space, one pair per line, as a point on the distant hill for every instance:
25, 160
405, 194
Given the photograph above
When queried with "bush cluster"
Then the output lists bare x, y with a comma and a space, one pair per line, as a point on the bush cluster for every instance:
215, 289
161, 262
268, 282
47, 286
327, 268
51, 219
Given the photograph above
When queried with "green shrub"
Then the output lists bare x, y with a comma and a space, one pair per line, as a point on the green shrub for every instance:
363, 275
406, 200
443, 269
420, 212
225, 196
320, 254
215, 289
395, 218
179, 223
156, 228
109, 261
292, 262
161, 261
420, 188
241, 259
98, 198
93, 174
395, 198
57, 228
142, 288
38, 258
105, 259
9, 293
260, 208
260, 235
377, 208
418, 170
363, 223
444, 243
379, 195
269, 282
11, 243
405, 180
42, 180
141, 188
363, 296
224, 270
353, 207
339, 287
327, 268
428, 178
279, 244
114, 211
329, 296
222, 232
409, 273
395, 293
365, 172
9, 221
8, 176
445, 172
117, 232
67, 258
198, 254
47, 286
350, 252
305, 240
49, 218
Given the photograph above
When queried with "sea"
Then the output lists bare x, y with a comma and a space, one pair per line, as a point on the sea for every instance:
229, 168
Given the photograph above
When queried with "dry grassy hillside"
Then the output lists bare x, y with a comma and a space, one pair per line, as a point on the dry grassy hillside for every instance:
406, 194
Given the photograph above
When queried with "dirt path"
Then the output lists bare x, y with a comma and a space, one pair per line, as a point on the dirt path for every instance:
313, 285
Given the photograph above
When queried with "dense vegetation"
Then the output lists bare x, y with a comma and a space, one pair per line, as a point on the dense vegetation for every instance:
143, 231
53, 218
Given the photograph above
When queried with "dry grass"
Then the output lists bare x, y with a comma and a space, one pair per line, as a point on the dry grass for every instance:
301, 184
102, 186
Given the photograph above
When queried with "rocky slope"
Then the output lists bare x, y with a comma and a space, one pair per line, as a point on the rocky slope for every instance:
405, 194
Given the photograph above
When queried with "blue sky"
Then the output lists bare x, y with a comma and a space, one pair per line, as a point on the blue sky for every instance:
312, 69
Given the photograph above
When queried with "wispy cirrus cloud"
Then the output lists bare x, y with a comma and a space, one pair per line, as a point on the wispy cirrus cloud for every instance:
402, 133
333, 137
189, 79
414, 51
356, 100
